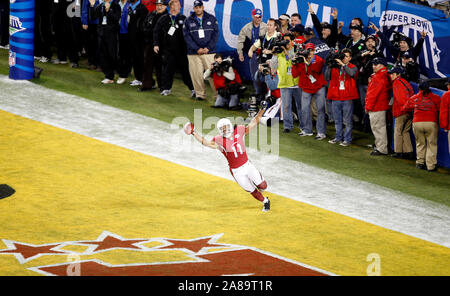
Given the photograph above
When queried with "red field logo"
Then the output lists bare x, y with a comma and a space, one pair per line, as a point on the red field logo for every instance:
205, 257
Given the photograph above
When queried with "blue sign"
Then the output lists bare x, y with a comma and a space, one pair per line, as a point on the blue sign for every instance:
408, 18
21, 39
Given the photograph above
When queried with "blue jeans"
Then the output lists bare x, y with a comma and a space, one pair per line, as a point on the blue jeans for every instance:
321, 126
286, 105
258, 84
225, 102
343, 114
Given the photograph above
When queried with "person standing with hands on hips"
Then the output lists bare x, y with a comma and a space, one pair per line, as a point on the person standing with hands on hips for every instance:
201, 33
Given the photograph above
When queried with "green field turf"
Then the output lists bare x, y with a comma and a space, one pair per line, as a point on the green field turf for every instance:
353, 161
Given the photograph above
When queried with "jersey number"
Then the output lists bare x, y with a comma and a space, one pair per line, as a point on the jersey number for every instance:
235, 151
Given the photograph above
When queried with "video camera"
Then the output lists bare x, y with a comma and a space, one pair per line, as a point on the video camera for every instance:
299, 53
330, 61
278, 44
266, 69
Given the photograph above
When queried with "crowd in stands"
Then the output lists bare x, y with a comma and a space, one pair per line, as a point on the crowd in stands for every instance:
317, 74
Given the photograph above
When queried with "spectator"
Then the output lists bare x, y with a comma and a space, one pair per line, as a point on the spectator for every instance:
201, 33
321, 48
405, 44
226, 81
412, 69
247, 36
108, 14
137, 12
152, 60
43, 30
285, 23
124, 50
426, 106
89, 25
325, 31
168, 38
377, 103
64, 34
287, 84
444, 116
402, 91
342, 90
296, 19
312, 83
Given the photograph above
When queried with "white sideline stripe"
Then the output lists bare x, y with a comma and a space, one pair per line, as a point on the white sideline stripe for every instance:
361, 200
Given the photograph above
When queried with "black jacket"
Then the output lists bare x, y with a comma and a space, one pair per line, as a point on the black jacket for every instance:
136, 21
112, 18
149, 25
173, 43
366, 69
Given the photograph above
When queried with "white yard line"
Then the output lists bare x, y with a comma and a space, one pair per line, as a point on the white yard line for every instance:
361, 200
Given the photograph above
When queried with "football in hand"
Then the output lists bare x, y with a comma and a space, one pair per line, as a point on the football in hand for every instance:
189, 128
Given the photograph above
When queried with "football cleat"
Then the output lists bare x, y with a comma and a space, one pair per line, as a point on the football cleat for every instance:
266, 206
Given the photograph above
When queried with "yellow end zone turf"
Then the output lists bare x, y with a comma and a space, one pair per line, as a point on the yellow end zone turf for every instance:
72, 188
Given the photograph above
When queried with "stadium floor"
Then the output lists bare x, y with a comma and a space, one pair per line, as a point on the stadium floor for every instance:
123, 212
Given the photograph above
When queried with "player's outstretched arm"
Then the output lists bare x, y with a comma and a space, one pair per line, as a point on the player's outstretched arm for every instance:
203, 141
254, 122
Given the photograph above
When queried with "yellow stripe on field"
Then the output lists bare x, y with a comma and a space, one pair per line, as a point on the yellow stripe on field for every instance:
72, 188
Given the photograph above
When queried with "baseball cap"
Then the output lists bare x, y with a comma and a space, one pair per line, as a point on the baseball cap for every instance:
378, 61
257, 12
310, 46
299, 28
396, 70
359, 28
309, 31
198, 3
284, 17
163, 2
406, 55
374, 38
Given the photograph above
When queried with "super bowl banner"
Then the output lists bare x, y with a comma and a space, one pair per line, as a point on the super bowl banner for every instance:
408, 18
21, 40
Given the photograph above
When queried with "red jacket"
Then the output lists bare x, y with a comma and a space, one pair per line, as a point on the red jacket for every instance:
378, 96
402, 92
444, 116
221, 81
351, 90
303, 72
425, 108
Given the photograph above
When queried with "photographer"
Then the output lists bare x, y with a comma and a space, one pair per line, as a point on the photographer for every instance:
247, 37
226, 80
342, 90
312, 82
263, 47
287, 84
266, 44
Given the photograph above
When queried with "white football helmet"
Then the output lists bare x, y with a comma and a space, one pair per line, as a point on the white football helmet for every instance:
225, 127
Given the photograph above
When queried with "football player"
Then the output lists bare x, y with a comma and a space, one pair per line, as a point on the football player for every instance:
231, 142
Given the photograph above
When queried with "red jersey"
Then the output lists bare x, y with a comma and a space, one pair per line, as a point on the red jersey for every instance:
233, 149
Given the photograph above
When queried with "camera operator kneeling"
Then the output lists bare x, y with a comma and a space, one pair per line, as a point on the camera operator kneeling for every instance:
227, 82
